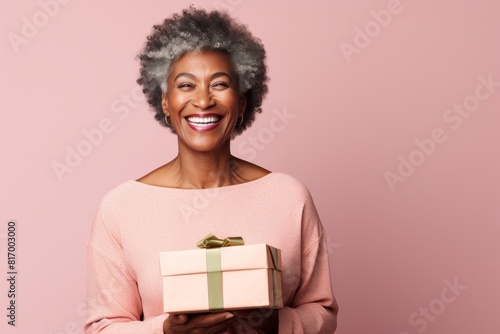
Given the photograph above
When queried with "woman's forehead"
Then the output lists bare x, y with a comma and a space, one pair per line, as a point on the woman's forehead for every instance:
201, 63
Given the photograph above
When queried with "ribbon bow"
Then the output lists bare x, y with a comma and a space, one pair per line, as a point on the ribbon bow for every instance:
214, 267
211, 241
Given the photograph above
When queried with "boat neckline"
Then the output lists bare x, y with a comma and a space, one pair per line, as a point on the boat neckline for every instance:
214, 189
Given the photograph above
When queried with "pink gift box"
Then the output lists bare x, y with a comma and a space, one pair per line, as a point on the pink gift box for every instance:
247, 277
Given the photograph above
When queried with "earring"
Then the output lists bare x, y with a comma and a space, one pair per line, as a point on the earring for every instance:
167, 120
240, 122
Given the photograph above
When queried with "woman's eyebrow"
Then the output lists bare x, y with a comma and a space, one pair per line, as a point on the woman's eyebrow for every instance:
221, 74
192, 76
185, 74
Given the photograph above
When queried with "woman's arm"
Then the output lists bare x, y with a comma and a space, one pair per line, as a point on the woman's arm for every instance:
313, 309
113, 301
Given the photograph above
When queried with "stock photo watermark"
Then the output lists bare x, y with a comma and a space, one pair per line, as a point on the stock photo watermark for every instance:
94, 137
453, 117
12, 247
227, 5
252, 144
421, 319
201, 200
31, 25
380, 19
93, 305
248, 150
332, 246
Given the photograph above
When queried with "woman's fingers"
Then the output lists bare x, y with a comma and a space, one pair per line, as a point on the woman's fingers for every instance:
199, 323
178, 319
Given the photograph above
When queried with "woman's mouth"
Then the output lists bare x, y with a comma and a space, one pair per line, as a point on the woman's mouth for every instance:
203, 123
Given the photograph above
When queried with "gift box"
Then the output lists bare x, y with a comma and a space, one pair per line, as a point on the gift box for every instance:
221, 278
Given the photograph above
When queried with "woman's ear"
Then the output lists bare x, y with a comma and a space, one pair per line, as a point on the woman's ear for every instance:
242, 104
164, 104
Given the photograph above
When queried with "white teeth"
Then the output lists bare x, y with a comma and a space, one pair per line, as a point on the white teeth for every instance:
203, 120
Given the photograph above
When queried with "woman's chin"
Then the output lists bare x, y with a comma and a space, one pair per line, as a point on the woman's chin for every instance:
207, 141
205, 145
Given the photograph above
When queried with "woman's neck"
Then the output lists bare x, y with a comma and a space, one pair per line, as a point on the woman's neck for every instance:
198, 170
201, 170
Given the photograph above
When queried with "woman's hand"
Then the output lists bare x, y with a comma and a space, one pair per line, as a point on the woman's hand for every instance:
211, 323
258, 320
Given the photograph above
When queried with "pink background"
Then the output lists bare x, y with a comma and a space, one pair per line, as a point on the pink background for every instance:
352, 119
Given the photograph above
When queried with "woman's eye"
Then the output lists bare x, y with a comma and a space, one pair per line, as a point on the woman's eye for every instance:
184, 85
220, 84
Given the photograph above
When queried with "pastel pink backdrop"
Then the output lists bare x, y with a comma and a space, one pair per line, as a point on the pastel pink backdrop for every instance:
337, 120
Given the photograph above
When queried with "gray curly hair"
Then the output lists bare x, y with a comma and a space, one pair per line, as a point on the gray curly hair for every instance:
199, 30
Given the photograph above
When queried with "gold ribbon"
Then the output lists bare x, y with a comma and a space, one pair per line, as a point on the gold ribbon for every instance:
214, 267
274, 255
211, 241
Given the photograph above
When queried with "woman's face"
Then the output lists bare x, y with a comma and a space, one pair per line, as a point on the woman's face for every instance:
203, 100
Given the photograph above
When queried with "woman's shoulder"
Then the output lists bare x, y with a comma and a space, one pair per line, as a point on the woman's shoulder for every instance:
248, 171
122, 194
252, 172
279, 181
290, 184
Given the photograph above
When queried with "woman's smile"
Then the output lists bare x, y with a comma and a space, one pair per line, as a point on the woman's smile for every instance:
203, 122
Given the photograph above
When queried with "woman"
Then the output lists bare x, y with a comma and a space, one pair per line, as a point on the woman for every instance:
205, 77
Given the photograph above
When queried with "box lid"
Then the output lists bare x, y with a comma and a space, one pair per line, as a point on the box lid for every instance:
260, 256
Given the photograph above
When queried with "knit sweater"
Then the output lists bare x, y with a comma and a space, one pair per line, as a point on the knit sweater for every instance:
136, 221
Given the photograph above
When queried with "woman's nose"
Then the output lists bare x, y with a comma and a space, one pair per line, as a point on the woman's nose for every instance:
203, 99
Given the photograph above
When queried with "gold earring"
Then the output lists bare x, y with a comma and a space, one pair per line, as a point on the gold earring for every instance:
167, 120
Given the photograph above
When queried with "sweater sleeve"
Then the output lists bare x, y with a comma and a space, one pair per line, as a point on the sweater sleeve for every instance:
113, 302
313, 309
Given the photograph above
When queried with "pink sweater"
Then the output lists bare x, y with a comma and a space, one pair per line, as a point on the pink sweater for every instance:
136, 221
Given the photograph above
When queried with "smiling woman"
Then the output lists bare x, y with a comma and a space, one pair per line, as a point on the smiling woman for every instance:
203, 100
205, 77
